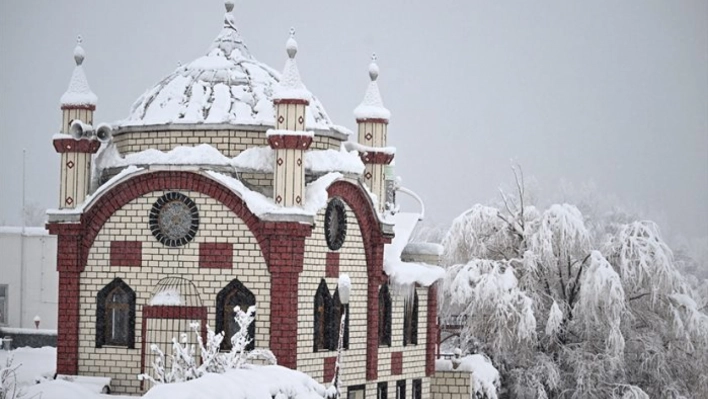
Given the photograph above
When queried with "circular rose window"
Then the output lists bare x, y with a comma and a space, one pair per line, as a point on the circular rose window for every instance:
335, 224
174, 219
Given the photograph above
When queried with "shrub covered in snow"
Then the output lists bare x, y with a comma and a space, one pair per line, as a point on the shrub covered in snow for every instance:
184, 363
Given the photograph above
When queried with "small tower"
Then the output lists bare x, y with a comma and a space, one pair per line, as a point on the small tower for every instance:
289, 138
77, 105
372, 121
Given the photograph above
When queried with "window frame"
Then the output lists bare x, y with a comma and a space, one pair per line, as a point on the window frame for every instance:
356, 388
410, 320
417, 392
384, 315
322, 323
103, 336
401, 389
4, 317
382, 390
235, 287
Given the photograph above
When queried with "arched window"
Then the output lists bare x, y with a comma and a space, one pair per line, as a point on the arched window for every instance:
338, 310
115, 315
410, 319
384, 316
323, 317
233, 295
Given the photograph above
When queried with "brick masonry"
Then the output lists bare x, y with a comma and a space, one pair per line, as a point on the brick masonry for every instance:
126, 253
396, 363
332, 264
216, 255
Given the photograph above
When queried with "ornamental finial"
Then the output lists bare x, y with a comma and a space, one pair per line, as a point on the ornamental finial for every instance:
291, 44
229, 6
373, 68
79, 51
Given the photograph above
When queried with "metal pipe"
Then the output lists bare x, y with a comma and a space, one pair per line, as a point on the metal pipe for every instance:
415, 197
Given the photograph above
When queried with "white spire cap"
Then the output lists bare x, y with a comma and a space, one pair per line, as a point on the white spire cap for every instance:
372, 106
79, 93
291, 86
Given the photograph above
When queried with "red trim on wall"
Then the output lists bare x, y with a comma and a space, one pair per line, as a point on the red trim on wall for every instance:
290, 141
216, 255
374, 241
89, 107
328, 364
290, 101
376, 157
433, 334
89, 146
396, 363
174, 312
372, 120
126, 253
332, 264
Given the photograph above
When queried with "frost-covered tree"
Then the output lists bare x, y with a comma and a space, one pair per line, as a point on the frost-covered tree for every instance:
571, 306
184, 363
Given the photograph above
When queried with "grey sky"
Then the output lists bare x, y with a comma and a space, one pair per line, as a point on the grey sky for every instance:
604, 91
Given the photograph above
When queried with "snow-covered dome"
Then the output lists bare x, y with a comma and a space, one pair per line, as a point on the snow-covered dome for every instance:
227, 85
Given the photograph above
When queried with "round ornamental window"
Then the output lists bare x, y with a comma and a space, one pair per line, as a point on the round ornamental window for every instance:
335, 224
174, 219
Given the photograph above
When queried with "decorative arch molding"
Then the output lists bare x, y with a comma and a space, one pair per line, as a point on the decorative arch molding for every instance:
93, 219
374, 240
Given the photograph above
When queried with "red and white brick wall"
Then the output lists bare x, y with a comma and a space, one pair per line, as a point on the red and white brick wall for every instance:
219, 230
352, 261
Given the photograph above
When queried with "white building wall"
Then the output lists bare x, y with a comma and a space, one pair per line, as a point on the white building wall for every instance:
28, 269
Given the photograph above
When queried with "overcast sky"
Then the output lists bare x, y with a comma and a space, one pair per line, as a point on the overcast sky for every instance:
609, 92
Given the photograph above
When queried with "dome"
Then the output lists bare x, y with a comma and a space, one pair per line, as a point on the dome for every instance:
227, 85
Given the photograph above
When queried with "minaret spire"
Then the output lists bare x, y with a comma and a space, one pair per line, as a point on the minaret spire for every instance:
289, 138
372, 120
229, 41
77, 106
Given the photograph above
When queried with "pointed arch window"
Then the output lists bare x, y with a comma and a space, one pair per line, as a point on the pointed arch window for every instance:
235, 294
115, 315
338, 310
384, 316
410, 319
323, 318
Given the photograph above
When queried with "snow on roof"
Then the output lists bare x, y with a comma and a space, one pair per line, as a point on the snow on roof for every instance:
372, 106
315, 196
79, 93
485, 376
424, 248
283, 132
227, 85
291, 86
407, 273
354, 146
254, 158
252, 382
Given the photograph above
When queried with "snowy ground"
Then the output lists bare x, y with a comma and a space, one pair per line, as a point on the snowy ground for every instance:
34, 377
35, 374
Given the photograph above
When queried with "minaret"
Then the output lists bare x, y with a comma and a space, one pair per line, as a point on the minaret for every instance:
289, 138
77, 105
372, 120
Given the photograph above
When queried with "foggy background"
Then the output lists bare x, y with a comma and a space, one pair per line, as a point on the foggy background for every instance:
603, 92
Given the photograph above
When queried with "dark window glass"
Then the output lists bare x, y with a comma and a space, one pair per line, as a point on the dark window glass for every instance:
323, 318
338, 310
410, 320
417, 389
384, 316
115, 315
401, 389
234, 295
382, 390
